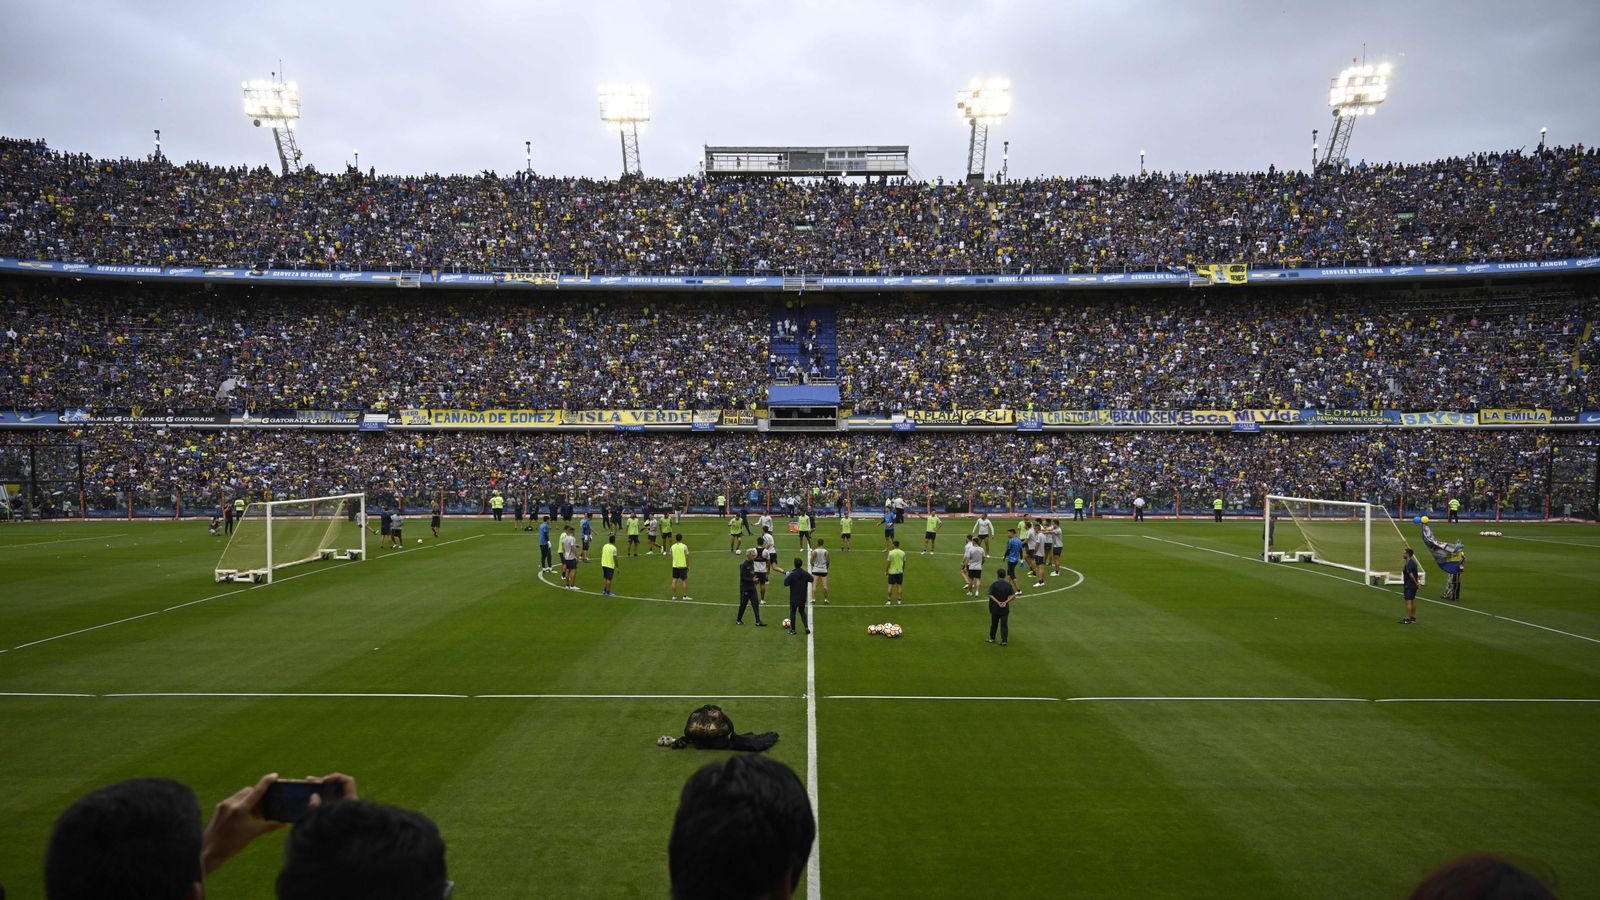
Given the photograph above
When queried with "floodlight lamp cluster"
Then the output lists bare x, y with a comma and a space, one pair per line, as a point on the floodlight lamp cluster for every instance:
1359, 89
985, 101
624, 104
272, 101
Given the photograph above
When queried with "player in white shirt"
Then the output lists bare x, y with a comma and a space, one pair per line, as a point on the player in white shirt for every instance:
983, 528
972, 557
819, 572
1036, 555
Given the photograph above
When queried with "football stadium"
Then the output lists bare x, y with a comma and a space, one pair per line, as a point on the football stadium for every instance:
802, 518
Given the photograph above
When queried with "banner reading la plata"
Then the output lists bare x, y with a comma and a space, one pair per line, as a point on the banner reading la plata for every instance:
961, 416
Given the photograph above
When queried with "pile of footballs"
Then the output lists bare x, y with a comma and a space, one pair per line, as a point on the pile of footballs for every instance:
1491, 534
887, 629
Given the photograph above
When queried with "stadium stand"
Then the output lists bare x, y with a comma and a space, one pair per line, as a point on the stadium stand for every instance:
121, 345
1486, 206
155, 471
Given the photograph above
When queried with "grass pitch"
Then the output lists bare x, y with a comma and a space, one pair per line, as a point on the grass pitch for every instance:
1188, 721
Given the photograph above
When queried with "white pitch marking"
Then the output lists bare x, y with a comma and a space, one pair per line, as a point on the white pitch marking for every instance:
228, 594
83, 630
284, 695
618, 596
1456, 606
712, 696
42, 694
930, 697
1486, 700
1512, 537
814, 862
62, 541
1229, 699
1544, 628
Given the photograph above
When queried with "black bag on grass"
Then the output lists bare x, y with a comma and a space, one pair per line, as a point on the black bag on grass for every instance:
709, 728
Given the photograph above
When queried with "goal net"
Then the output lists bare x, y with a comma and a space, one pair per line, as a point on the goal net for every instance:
273, 535
1357, 537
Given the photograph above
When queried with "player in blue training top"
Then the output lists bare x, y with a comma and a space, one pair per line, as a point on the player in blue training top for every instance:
1013, 556
546, 564
586, 531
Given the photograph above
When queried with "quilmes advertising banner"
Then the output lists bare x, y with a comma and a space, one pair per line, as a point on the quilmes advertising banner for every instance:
551, 281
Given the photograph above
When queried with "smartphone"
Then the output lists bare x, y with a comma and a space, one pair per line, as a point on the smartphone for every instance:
288, 800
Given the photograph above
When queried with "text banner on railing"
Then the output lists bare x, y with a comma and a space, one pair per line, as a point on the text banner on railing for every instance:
775, 282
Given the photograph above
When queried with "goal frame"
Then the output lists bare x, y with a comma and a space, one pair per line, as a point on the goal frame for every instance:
252, 575
1359, 510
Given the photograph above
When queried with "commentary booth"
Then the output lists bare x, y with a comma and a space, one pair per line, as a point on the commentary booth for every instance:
798, 407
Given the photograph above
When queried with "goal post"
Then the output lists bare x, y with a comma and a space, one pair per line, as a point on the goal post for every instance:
272, 535
1357, 537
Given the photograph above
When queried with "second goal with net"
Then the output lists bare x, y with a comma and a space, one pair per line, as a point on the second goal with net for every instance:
275, 534
1356, 537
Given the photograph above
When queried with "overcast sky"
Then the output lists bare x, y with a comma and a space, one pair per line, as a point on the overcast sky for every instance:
458, 85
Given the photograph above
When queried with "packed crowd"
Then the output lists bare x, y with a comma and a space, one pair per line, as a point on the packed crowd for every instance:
1489, 206
67, 345
1261, 351
122, 346
953, 468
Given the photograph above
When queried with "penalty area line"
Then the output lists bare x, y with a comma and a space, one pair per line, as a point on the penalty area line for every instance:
254, 587
1443, 603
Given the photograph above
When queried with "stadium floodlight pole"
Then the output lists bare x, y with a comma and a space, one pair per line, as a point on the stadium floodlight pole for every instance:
528, 146
1542, 131
1141, 163
158, 143
1005, 160
623, 107
1313, 150
357, 154
1356, 92
277, 103
983, 104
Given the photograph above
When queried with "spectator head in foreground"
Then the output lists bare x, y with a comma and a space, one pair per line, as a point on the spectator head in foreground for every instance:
1481, 877
743, 831
358, 850
136, 840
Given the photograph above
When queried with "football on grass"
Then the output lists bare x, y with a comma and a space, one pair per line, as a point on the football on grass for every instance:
787, 623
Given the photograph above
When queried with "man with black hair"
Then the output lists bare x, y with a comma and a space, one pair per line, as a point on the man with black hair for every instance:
141, 840
1000, 595
359, 850
798, 581
743, 831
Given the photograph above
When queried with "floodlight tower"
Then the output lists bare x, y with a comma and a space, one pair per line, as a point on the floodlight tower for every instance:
1355, 93
983, 103
623, 107
277, 103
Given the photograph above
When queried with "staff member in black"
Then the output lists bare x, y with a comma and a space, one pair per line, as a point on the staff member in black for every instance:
747, 589
1000, 593
1413, 576
798, 580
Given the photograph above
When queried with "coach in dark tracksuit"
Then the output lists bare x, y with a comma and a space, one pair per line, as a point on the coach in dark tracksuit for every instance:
1000, 594
747, 588
799, 581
